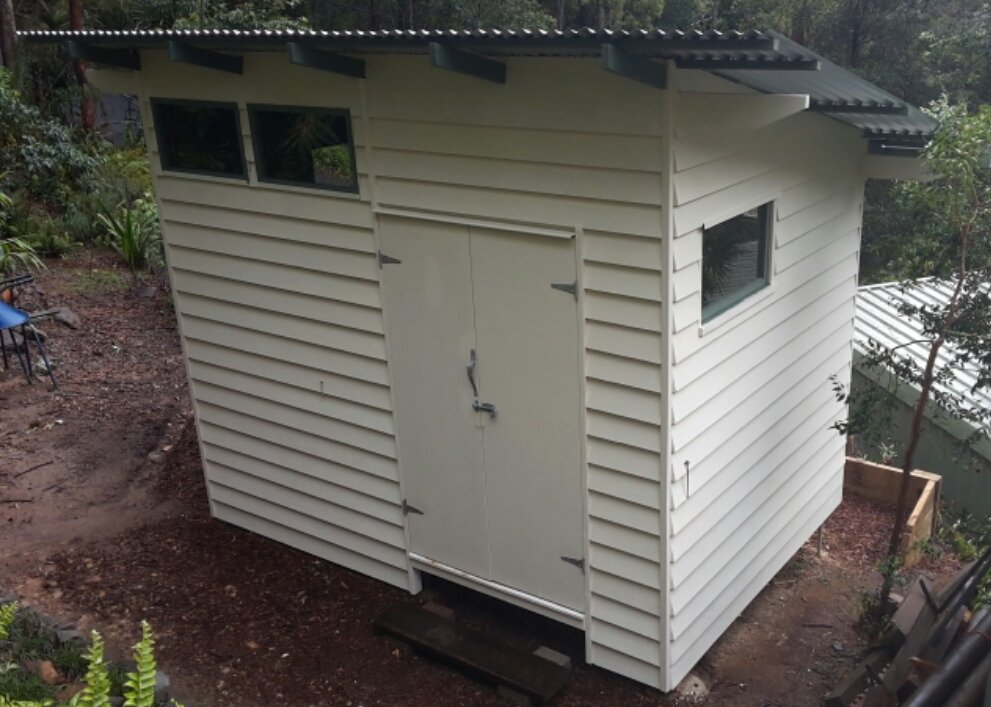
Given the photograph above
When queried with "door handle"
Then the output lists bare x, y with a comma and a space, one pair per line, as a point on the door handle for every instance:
484, 407
472, 363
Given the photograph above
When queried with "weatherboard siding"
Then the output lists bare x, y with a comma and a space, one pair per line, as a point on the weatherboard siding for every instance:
277, 296
278, 299
537, 152
754, 466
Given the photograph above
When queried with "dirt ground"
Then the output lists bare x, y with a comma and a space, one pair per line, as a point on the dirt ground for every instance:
113, 527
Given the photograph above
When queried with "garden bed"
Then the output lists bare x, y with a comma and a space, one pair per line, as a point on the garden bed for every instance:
882, 484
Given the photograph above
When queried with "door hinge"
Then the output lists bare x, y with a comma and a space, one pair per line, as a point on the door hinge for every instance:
387, 259
570, 287
407, 509
578, 562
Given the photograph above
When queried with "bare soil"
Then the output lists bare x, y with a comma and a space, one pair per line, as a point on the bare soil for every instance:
108, 535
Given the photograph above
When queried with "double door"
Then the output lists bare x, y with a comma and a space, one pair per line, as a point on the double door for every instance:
485, 373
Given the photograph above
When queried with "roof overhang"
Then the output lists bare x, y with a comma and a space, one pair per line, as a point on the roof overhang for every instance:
767, 62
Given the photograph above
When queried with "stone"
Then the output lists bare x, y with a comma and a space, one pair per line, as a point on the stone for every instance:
163, 686
156, 457
693, 686
70, 635
67, 317
445, 612
553, 656
147, 291
45, 670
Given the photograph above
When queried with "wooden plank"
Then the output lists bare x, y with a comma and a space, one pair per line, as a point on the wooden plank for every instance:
206, 58
475, 65
474, 652
857, 679
325, 61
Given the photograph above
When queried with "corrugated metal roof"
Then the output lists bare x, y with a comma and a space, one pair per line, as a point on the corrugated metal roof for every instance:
830, 87
878, 318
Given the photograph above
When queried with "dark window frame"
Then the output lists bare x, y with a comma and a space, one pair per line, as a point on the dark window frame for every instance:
765, 246
261, 167
191, 103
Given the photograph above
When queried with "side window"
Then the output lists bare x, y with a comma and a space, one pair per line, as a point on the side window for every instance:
735, 260
310, 147
204, 138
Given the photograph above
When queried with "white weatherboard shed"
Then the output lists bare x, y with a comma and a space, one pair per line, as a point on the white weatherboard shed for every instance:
561, 331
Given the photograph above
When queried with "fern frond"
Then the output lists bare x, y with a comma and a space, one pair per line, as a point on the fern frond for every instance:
7, 702
7, 613
139, 688
97, 690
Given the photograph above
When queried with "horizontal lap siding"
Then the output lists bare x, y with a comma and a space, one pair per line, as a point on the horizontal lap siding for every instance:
622, 284
278, 300
536, 151
755, 468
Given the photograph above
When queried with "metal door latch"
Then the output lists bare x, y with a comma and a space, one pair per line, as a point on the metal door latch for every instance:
484, 407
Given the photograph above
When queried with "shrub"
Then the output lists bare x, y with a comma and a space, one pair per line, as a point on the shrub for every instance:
133, 231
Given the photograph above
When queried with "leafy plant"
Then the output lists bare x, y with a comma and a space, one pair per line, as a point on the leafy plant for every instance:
7, 613
134, 233
18, 254
139, 689
97, 690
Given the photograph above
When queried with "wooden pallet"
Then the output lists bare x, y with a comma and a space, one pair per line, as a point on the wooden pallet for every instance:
475, 653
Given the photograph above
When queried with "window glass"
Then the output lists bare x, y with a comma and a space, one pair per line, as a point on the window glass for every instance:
199, 137
734, 260
305, 146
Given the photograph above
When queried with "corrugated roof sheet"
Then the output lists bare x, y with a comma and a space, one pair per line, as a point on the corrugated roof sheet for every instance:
831, 87
878, 318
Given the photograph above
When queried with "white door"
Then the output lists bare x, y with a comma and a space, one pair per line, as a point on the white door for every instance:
527, 334
501, 493
431, 331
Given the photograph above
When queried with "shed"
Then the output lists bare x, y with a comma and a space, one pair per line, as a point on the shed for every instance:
943, 448
549, 314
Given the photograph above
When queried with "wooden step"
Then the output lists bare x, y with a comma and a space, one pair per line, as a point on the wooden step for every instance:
476, 653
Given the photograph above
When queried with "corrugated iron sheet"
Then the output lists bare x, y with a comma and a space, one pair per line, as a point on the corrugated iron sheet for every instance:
830, 84
878, 318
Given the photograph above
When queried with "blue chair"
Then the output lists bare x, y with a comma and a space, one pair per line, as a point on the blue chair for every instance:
11, 318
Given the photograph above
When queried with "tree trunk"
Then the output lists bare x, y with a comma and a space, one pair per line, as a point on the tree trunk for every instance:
560, 13
8, 27
87, 111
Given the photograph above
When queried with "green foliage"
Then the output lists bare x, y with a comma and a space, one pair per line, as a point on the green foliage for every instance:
37, 153
133, 231
7, 613
139, 688
250, 14
97, 690
17, 254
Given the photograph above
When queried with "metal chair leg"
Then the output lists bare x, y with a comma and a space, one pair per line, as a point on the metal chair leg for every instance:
27, 353
17, 354
44, 356
3, 348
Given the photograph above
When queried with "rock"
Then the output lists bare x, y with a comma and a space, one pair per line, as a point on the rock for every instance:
67, 317
693, 686
553, 656
163, 686
69, 635
45, 670
156, 457
838, 647
147, 291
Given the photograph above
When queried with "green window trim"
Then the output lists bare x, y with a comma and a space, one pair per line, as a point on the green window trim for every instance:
262, 167
720, 302
164, 149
